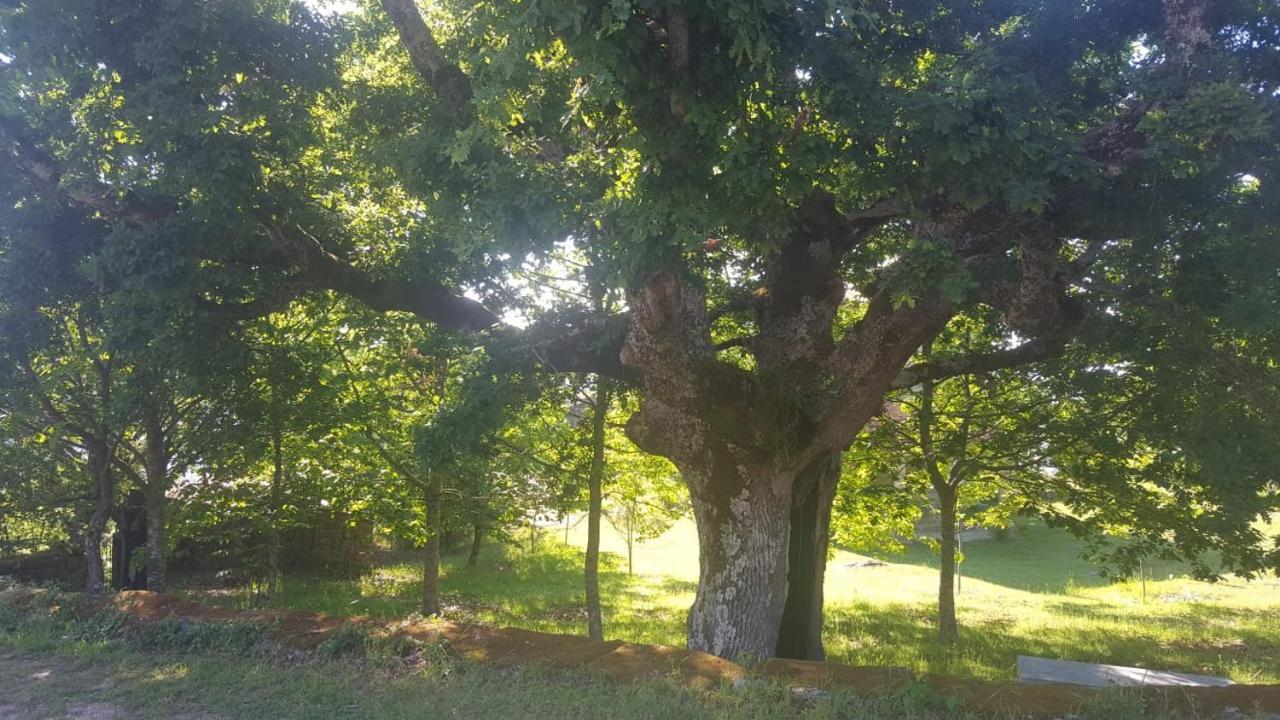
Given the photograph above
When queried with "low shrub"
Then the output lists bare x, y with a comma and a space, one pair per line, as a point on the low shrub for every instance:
238, 637
344, 641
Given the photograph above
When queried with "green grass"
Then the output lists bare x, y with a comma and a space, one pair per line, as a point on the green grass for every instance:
124, 684
63, 665
1032, 594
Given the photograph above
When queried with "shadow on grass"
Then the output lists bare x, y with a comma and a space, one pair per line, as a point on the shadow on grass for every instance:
541, 590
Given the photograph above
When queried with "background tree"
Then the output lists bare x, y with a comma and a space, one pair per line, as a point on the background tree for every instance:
981, 443
65, 381
644, 497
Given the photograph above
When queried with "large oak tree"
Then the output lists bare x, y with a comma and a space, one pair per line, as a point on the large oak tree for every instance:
795, 196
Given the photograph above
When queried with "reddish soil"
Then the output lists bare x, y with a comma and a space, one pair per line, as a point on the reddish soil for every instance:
628, 661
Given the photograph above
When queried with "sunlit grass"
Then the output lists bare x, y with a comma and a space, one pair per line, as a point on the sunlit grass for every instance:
1032, 594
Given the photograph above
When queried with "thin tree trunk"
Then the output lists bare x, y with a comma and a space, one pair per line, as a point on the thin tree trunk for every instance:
157, 474
431, 553
477, 538
947, 630
800, 634
95, 582
631, 542
99, 465
275, 581
595, 505
947, 492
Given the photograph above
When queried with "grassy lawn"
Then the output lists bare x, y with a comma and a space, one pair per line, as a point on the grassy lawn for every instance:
1032, 594
114, 685
55, 667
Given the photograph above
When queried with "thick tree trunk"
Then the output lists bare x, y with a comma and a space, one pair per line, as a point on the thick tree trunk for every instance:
477, 539
747, 443
595, 506
947, 631
742, 578
431, 552
800, 634
99, 466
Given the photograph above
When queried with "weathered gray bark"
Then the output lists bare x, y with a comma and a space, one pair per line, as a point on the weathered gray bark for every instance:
431, 551
595, 507
742, 555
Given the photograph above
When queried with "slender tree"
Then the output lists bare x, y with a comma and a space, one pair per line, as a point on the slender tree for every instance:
64, 389
595, 508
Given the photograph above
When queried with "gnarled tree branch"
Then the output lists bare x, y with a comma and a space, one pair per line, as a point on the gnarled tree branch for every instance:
1029, 352
445, 78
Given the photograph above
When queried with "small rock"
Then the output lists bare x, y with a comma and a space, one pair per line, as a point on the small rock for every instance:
809, 696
